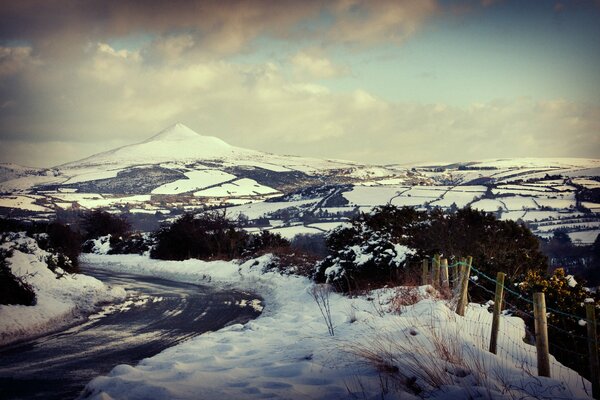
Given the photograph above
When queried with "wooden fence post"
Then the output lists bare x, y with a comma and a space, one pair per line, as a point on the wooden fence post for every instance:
436, 271
425, 272
455, 276
444, 273
541, 334
463, 297
590, 311
497, 310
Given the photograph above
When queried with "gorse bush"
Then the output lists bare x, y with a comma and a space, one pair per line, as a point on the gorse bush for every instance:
368, 249
566, 330
209, 236
14, 289
101, 223
371, 259
264, 240
54, 237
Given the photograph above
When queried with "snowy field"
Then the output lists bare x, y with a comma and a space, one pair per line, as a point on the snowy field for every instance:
195, 180
287, 352
60, 300
27, 203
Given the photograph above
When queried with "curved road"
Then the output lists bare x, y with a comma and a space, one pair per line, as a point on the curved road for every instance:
157, 314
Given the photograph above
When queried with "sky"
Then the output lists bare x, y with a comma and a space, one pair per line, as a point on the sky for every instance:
381, 82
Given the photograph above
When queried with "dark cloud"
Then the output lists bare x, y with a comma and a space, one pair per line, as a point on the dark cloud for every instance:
61, 26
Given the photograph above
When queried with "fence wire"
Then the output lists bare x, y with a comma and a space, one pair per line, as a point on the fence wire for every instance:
516, 343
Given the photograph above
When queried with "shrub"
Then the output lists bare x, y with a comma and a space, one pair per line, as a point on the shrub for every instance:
101, 223
372, 251
57, 237
208, 236
565, 294
133, 243
264, 240
289, 261
371, 259
54, 237
14, 290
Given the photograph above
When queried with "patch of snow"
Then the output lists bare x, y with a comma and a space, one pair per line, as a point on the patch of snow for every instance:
240, 187
196, 180
23, 203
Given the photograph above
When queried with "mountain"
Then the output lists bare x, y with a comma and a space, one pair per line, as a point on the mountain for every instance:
177, 143
180, 161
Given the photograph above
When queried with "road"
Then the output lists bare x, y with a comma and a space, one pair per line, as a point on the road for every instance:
157, 314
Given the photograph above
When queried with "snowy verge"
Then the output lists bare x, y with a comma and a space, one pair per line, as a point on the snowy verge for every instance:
394, 343
61, 299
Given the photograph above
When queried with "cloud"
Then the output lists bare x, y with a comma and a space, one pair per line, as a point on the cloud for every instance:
115, 97
61, 27
360, 22
314, 64
14, 59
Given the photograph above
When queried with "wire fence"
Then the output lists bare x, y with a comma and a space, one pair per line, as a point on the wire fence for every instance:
516, 336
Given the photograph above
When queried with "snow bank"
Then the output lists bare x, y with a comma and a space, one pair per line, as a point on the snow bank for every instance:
287, 353
61, 298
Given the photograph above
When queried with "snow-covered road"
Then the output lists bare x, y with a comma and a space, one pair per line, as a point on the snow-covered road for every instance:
156, 314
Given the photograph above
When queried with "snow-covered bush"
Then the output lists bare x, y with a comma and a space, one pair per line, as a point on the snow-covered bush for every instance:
14, 289
370, 251
369, 259
134, 243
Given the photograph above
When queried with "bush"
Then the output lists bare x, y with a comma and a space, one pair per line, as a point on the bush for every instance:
566, 332
54, 237
264, 241
57, 237
14, 290
209, 236
101, 223
371, 260
134, 243
366, 251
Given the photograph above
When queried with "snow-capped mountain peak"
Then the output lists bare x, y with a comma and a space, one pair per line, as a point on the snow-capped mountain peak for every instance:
175, 143
180, 132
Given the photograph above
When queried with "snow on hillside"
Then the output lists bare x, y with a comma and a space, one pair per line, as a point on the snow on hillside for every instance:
181, 144
10, 171
240, 187
27, 203
177, 142
61, 298
195, 180
286, 353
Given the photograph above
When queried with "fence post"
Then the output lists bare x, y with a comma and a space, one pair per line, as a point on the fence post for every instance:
464, 288
436, 271
455, 275
541, 334
444, 274
425, 272
590, 311
497, 310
